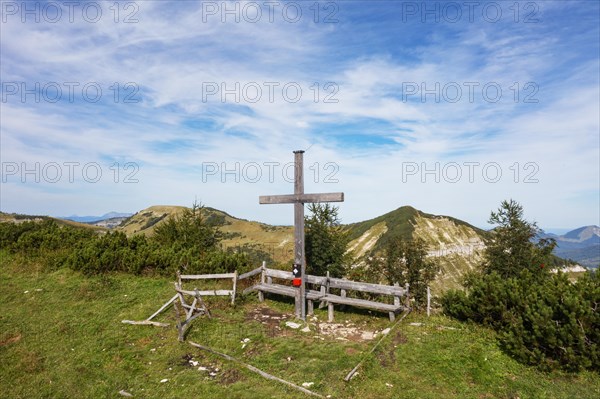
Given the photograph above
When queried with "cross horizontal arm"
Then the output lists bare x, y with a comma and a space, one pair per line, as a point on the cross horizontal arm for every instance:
301, 198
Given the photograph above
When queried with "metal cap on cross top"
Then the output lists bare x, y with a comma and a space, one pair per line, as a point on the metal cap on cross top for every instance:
299, 198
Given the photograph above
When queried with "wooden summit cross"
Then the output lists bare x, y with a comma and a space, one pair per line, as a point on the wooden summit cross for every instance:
299, 199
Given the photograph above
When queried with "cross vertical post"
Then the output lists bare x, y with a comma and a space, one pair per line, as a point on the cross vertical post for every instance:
299, 198
299, 258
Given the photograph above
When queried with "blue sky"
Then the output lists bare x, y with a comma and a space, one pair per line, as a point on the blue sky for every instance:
450, 107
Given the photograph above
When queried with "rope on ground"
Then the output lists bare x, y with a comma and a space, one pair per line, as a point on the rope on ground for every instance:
255, 370
355, 369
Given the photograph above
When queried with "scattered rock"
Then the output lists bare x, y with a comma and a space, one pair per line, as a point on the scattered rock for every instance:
293, 325
415, 324
202, 368
25, 292
194, 363
308, 384
389, 385
386, 331
122, 392
305, 329
367, 335
164, 380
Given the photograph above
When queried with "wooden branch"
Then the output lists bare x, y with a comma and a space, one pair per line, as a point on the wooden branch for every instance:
355, 369
255, 370
163, 307
206, 293
145, 323
203, 304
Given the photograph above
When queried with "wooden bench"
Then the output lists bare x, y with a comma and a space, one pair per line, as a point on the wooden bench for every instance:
347, 285
323, 294
266, 285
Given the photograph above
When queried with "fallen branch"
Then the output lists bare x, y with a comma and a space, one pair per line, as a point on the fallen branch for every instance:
146, 323
355, 369
254, 369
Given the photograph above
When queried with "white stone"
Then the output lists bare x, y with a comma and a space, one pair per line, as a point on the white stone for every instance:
308, 384
305, 329
293, 325
164, 380
386, 331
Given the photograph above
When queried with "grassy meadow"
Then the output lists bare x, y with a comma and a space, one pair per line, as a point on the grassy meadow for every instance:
61, 336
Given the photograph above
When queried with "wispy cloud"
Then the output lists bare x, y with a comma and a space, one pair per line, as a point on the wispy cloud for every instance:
375, 89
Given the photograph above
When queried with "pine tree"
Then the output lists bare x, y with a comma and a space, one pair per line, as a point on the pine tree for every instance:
325, 241
512, 248
405, 261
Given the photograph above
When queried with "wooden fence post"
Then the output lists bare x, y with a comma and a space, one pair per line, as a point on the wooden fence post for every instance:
428, 301
396, 303
261, 295
235, 278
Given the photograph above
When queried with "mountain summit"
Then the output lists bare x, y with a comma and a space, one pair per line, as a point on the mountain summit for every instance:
581, 245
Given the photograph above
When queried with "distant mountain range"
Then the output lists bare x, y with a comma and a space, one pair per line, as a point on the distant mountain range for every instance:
457, 245
91, 219
581, 245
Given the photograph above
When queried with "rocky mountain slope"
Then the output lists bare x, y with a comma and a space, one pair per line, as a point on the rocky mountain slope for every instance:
456, 245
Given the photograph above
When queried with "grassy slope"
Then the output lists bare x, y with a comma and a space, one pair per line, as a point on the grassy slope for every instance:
66, 340
17, 218
277, 240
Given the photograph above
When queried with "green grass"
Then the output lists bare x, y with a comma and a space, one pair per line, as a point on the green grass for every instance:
64, 339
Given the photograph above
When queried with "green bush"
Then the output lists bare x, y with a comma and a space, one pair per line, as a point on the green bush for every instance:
550, 323
187, 242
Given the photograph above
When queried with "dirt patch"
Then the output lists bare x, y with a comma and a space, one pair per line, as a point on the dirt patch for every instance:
345, 332
400, 338
386, 357
186, 359
230, 376
31, 362
273, 321
11, 340
351, 351
143, 341
268, 317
